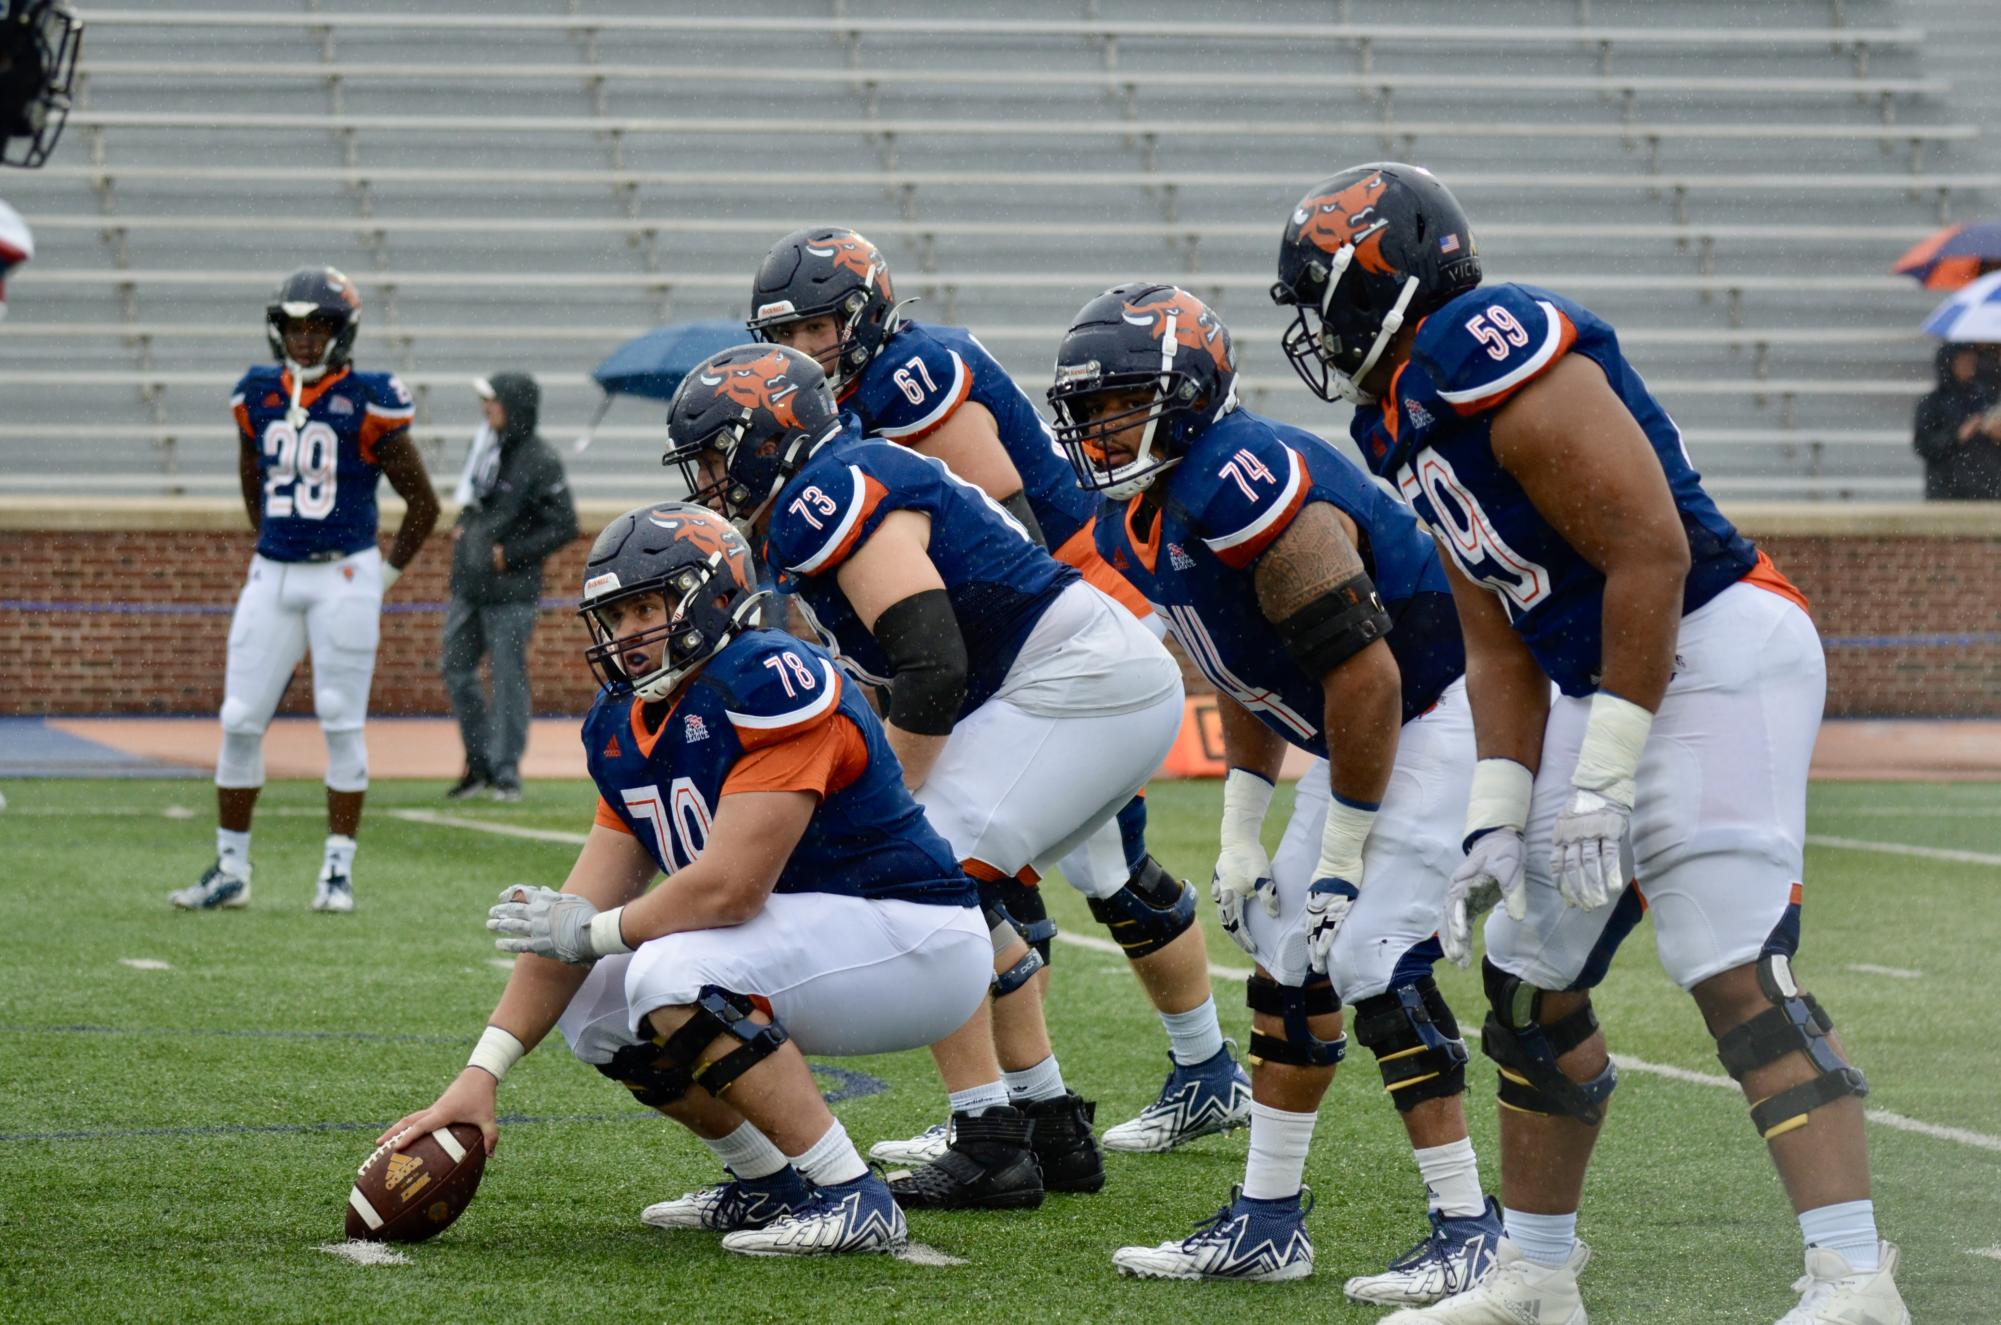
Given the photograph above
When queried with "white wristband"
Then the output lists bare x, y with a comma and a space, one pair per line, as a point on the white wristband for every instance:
1609, 757
1246, 797
1341, 842
605, 938
497, 1052
390, 575
1500, 798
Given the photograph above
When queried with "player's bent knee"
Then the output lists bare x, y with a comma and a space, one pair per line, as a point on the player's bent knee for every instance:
347, 761
1150, 912
660, 1071
1294, 1005
240, 761
1525, 1050
238, 719
1415, 1038
1019, 906
1794, 1023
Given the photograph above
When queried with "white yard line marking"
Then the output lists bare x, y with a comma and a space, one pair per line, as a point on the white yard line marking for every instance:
501, 963
1991, 1253
1894, 972
1978, 1140
1903, 849
145, 963
140, 812
1913, 812
916, 1253
363, 1253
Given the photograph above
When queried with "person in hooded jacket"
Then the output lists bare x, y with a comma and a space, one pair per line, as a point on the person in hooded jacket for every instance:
515, 511
1958, 426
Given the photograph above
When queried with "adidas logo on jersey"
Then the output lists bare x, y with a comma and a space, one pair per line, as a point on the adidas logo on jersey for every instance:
611, 750
1179, 559
694, 729
273, 400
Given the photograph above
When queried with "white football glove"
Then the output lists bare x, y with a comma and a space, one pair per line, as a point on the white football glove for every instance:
1328, 903
1243, 870
562, 926
1492, 872
1584, 849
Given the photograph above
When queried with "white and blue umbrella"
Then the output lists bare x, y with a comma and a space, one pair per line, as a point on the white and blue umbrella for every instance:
1971, 315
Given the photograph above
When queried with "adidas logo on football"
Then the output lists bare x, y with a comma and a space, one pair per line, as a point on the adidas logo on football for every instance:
1179, 559
406, 1169
695, 729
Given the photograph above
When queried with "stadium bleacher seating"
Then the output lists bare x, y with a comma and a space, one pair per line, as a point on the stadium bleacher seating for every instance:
523, 183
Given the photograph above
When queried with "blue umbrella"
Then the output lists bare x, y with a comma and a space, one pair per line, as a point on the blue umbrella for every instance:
653, 365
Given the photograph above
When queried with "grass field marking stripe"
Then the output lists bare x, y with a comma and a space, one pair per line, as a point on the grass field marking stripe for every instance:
1894, 972
1095, 944
363, 1253
436, 819
364, 1209
1884, 1117
917, 1253
145, 963
1910, 812
1991, 1253
1903, 849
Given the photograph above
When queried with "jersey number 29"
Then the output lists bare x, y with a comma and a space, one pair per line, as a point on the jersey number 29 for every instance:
302, 478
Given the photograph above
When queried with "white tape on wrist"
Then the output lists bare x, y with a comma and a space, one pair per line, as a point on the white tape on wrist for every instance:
1609, 757
497, 1052
390, 574
1341, 842
605, 938
1500, 797
1246, 797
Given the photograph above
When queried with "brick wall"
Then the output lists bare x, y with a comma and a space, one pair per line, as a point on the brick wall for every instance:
126, 610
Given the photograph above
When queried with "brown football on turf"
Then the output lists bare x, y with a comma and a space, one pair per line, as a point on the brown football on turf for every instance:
411, 1194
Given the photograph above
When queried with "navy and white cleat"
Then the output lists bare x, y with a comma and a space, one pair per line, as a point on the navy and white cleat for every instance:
1252, 1240
858, 1216
1452, 1257
1198, 1100
216, 890
919, 1150
334, 893
737, 1204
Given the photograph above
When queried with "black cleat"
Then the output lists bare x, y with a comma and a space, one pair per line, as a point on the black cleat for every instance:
1060, 1131
988, 1166
467, 787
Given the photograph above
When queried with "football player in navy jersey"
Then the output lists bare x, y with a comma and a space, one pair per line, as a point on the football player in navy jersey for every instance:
315, 435
1670, 771
1315, 604
808, 907
1025, 706
826, 292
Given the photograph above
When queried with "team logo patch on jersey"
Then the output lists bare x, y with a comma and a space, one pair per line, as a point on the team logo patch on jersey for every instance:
1179, 559
1419, 416
273, 400
611, 750
1332, 220
694, 729
340, 405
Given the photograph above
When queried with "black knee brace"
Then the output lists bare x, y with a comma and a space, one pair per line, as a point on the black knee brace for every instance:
1150, 912
1525, 1052
1794, 1023
661, 1071
1299, 1046
1415, 1039
1021, 905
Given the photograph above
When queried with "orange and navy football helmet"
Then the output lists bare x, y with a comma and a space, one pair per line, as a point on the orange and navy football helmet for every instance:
827, 271
699, 565
1365, 252
743, 423
1142, 337
323, 295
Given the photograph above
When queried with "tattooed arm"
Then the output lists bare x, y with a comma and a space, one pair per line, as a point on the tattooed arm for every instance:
1363, 694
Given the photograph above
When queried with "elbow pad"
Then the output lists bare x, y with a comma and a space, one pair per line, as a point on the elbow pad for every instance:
1024, 515
927, 658
1335, 626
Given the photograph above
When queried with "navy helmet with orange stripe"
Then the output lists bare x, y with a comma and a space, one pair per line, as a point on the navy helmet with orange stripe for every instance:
666, 587
1142, 370
317, 300
743, 423
827, 271
1365, 252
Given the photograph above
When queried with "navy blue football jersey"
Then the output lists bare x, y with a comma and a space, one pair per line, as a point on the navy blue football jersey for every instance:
319, 479
772, 713
1432, 437
998, 580
1239, 487
925, 372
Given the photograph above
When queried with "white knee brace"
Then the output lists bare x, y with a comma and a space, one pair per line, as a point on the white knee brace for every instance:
347, 761
240, 762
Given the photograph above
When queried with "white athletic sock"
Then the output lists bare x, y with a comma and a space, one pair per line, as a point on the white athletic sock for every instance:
831, 1159
1452, 1178
1849, 1228
340, 854
977, 1100
747, 1152
1544, 1239
233, 850
1044, 1081
1279, 1142
1194, 1035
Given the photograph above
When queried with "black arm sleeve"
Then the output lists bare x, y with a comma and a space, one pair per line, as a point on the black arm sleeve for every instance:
1024, 514
927, 658
1335, 626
